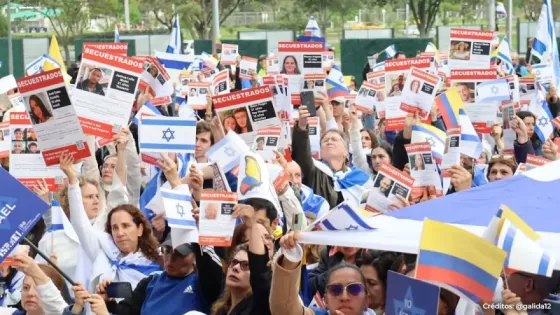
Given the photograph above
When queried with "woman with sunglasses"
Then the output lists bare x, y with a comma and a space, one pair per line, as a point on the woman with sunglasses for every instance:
346, 290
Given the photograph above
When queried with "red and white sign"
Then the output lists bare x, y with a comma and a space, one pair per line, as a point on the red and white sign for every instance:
470, 48
216, 221
112, 48
419, 92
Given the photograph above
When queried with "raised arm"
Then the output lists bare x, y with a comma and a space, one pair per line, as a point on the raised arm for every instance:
301, 148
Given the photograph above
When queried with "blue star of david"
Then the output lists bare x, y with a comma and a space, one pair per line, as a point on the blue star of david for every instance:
168, 134
229, 151
543, 121
180, 210
351, 227
494, 90
431, 141
406, 306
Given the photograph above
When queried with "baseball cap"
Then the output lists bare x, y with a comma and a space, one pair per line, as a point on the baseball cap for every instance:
339, 99
183, 249
262, 57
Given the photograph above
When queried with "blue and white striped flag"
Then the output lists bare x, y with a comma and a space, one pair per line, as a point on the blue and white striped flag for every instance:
178, 208
312, 28
175, 45
504, 54
343, 217
36, 66
539, 108
353, 183
390, 51
434, 136
470, 144
60, 222
146, 110
228, 151
545, 45
117, 36
493, 91
167, 134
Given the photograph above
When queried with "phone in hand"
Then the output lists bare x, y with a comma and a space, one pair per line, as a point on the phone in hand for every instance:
308, 100
298, 221
119, 290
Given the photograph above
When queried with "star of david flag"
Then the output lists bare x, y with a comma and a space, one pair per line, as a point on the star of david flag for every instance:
505, 55
343, 217
435, 137
228, 151
178, 208
493, 91
146, 110
335, 83
545, 45
470, 144
390, 51
407, 295
160, 134
543, 125
175, 45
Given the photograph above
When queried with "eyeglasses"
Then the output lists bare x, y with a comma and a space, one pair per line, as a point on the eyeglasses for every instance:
353, 289
243, 264
331, 139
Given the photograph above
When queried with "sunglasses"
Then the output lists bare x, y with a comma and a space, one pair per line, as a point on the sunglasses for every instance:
243, 264
353, 289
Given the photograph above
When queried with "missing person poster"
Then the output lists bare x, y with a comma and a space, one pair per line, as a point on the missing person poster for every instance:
527, 91
229, 54
422, 167
247, 111
376, 77
483, 116
367, 97
396, 73
26, 162
531, 163
452, 151
155, 79
112, 48
4, 140
105, 91
216, 218
272, 65
266, 143
470, 49
328, 60
296, 59
315, 83
466, 80
55, 124
220, 83
388, 184
419, 92
247, 66
198, 91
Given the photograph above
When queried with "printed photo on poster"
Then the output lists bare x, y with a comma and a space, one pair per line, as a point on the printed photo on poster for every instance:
460, 50
94, 79
236, 120
39, 108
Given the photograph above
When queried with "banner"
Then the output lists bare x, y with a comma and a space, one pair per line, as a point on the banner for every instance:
105, 91
216, 222
470, 49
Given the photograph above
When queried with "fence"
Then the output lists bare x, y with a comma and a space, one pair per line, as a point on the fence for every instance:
443, 33
272, 37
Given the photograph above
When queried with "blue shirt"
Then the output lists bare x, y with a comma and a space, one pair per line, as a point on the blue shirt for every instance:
173, 296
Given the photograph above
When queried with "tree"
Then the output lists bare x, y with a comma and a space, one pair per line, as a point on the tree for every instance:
69, 18
3, 26
324, 10
424, 13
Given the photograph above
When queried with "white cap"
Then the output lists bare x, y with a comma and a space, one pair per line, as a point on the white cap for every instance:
7, 83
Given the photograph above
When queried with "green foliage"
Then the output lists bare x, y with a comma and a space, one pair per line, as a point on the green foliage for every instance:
134, 9
3, 26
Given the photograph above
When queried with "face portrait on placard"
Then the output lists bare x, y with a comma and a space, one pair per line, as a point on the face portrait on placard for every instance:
309, 84
240, 118
417, 162
94, 79
193, 92
211, 211
291, 65
395, 85
415, 86
460, 50
18, 147
466, 91
39, 108
384, 183
259, 146
32, 148
229, 123
30, 134
153, 70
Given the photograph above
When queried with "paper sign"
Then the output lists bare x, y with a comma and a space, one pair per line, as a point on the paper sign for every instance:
220, 83
111, 48
229, 54
4, 140
531, 163
422, 168
483, 116
470, 48
543, 72
388, 183
367, 97
198, 91
452, 152
328, 60
105, 90
419, 92
247, 65
272, 65
266, 142
216, 222
155, 79
315, 83
407, 295
53, 117
466, 80
376, 77
527, 91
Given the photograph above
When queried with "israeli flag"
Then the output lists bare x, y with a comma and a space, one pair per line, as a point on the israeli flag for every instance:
470, 144
312, 202
543, 125
60, 222
504, 54
434, 136
36, 66
117, 36
228, 151
175, 45
390, 51
312, 29
336, 87
146, 110
178, 208
353, 183
545, 45
493, 91
167, 134
343, 217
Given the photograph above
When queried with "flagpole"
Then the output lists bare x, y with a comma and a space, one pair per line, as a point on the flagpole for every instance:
10, 53
491, 15
127, 15
215, 24
509, 20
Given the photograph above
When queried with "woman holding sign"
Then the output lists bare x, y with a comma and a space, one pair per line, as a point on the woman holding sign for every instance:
127, 243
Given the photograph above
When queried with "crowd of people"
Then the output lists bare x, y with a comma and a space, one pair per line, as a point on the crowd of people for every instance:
110, 238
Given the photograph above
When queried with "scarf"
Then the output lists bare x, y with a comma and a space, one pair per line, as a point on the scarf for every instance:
352, 182
312, 202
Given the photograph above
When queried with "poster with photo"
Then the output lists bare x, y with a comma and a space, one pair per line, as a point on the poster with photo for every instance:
483, 116
419, 92
466, 80
376, 77
388, 184
55, 123
112, 48
531, 163
185, 79
470, 49
366, 98
527, 91
155, 79
5, 144
396, 73
452, 151
314, 132
315, 83
422, 168
544, 73
216, 218
229, 54
105, 91
513, 82
272, 65
220, 83
247, 66
198, 91
266, 143
251, 110
26, 161
328, 60
296, 59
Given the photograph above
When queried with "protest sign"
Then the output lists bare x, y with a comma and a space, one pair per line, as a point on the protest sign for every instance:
388, 184
229, 54
155, 79
55, 124
272, 65
216, 222
483, 116
105, 90
527, 91
315, 83
314, 132
367, 97
20, 210
26, 164
452, 151
376, 77
422, 168
198, 91
297, 59
419, 92
220, 83
266, 142
4, 140
396, 73
543, 72
406, 295
328, 60
120, 48
466, 80
513, 82
251, 110
531, 163
246, 66
470, 49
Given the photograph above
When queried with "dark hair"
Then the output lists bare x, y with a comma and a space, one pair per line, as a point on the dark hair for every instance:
39, 102
509, 162
147, 243
238, 237
373, 137
224, 302
260, 139
522, 61
400, 52
381, 262
524, 114
18, 129
203, 126
344, 265
241, 110
387, 148
262, 204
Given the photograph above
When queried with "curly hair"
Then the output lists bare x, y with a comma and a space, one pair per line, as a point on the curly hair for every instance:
62, 195
147, 243
224, 302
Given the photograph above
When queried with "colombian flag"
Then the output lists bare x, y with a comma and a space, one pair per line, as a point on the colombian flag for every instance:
459, 261
449, 104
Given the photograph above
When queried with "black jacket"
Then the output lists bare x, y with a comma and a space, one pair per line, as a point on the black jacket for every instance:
318, 276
